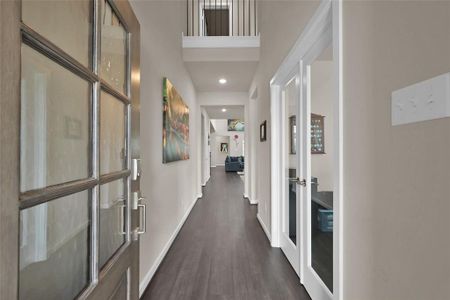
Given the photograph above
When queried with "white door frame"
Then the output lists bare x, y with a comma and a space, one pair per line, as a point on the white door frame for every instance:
328, 16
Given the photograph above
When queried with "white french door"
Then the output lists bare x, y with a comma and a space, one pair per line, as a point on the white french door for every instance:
306, 112
290, 204
318, 163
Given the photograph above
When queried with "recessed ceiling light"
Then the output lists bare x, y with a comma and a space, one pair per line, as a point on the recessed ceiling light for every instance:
224, 109
222, 81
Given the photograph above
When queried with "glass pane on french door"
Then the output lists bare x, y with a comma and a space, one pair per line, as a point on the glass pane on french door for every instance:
322, 169
291, 172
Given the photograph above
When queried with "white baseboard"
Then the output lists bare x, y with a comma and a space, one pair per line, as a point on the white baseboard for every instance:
206, 181
264, 228
220, 165
213, 166
252, 201
148, 277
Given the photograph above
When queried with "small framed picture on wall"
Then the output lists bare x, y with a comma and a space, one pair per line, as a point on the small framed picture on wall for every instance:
224, 147
263, 131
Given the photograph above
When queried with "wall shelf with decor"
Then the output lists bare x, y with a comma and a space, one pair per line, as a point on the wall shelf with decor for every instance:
317, 134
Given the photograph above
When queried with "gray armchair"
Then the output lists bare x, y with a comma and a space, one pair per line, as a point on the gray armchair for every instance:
234, 164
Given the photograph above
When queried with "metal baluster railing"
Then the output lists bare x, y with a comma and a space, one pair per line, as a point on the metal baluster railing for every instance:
208, 17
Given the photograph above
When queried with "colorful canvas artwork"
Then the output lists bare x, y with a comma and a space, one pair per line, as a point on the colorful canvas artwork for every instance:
175, 125
235, 125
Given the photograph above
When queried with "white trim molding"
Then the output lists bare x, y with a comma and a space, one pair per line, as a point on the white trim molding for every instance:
338, 233
264, 227
276, 178
148, 277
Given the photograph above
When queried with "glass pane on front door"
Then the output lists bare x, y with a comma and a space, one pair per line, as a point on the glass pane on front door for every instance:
67, 24
112, 134
55, 248
114, 48
55, 123
112, 219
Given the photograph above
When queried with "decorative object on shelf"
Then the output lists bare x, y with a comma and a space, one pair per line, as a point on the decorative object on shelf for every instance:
293, 135
235, 125
224, 147
175, 125
263, 131
317, 134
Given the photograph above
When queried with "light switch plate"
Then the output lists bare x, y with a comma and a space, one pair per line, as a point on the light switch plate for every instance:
426, 100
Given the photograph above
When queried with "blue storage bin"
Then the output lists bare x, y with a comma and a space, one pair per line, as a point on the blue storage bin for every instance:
325, 218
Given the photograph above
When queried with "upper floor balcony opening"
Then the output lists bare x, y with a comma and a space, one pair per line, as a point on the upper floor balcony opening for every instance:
207, 18
221, 40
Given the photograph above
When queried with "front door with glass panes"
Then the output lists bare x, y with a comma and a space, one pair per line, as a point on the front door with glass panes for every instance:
76, 120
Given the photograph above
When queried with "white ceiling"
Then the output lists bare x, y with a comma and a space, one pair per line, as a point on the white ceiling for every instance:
233, 112
206, 75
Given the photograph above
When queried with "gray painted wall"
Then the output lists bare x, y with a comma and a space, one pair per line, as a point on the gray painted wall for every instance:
170, 189
396, 197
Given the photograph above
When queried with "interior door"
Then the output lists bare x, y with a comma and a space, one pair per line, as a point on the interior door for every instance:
290, 233
319, 167
72, 203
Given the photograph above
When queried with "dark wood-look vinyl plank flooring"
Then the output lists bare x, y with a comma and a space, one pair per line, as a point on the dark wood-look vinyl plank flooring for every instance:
222, 252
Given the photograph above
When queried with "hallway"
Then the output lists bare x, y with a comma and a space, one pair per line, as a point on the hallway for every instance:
222, 252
